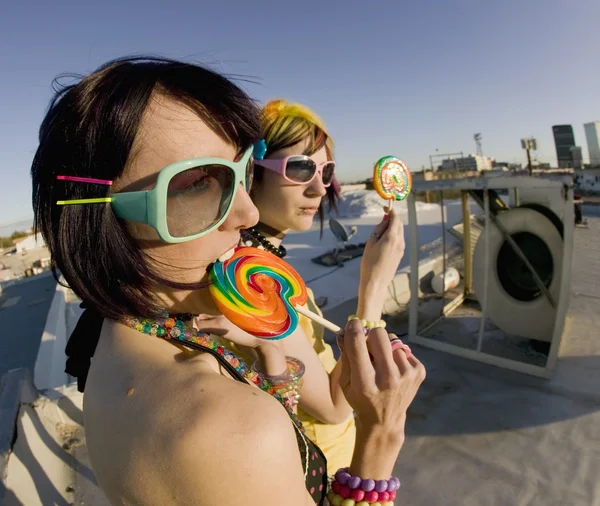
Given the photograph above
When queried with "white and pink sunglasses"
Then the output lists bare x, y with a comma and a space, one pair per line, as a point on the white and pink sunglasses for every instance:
300, 169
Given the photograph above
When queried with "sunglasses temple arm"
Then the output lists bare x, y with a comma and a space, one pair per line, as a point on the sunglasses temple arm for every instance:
132, 206
269, 164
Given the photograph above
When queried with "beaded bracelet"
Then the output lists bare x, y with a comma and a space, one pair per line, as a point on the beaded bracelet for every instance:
369, 498
367, 324
295, 371
347, 490
288, 384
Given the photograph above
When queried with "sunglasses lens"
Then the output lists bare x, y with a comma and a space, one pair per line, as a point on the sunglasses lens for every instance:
300, 169
198, 198
249, 174
328, 172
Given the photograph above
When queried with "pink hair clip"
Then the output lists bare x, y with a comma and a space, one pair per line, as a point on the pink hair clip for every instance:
85, 180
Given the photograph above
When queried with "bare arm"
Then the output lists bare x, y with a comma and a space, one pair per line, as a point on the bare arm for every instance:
321, 394
383, 252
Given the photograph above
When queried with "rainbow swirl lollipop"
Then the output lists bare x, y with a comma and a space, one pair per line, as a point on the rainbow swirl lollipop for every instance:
258, 292
391, 178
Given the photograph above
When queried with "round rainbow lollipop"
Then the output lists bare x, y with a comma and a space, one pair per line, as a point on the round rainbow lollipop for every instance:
391, 179
260, 293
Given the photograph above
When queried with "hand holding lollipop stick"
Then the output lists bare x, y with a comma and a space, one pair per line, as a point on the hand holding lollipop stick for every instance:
391, 179
261, 294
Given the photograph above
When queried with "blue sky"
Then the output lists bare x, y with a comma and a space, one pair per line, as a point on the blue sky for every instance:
387, 77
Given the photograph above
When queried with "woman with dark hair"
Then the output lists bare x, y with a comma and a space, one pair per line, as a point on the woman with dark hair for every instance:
294, 181
139, 185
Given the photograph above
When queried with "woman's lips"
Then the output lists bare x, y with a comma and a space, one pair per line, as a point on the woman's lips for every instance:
228, 254
308, 210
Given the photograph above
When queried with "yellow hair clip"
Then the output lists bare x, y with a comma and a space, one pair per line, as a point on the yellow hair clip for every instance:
84, 201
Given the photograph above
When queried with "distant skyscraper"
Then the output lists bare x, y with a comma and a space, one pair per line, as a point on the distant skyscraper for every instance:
592, 135
564, 141
577, 157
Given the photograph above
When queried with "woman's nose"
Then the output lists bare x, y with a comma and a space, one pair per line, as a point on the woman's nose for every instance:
316, 188
243, 214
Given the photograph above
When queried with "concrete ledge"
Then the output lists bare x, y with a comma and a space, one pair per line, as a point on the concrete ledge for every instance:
47, 460
40, 468
14, 385
49, 372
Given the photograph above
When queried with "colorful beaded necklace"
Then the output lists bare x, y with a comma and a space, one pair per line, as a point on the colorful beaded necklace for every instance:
174, 329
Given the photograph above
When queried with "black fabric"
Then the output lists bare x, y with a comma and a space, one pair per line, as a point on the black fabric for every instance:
82, 345
84, 340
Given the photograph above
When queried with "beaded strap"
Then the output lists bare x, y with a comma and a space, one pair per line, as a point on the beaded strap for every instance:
174, 329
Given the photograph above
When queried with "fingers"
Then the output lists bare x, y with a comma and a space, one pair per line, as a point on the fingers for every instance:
380, 229
344, 364
401, 353
201, 317
208, 323
397, 343
221, 326
401, 360
418, 367
406, 362
272, 359
357, 353
391, 229
396, 228
378, 344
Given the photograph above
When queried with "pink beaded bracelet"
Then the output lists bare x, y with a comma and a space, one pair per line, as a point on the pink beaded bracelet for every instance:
338, 500
356, 490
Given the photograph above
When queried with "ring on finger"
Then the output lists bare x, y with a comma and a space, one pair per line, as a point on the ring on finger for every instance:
397, 343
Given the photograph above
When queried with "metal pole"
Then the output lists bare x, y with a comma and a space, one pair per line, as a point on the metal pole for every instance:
413, 246
443, 251
563, 297
466, 216
489, 264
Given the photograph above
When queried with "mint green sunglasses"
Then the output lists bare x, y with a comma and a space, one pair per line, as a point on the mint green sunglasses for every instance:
190, 198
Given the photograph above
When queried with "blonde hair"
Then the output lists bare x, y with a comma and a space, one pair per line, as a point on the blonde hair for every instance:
285, 124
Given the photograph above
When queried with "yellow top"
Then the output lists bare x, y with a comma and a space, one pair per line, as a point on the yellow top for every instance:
335, 441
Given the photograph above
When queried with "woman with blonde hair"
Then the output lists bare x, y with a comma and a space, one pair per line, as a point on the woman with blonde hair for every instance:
295, 181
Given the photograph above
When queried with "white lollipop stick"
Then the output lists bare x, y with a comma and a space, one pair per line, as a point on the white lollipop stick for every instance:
319, 319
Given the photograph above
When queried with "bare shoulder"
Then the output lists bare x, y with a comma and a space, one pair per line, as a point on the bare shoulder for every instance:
252, 453
195, 438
